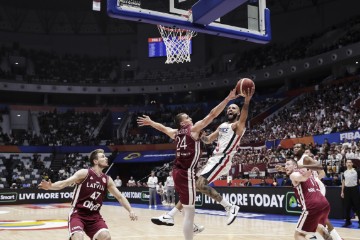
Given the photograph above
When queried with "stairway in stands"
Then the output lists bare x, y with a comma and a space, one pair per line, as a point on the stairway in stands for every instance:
57, 162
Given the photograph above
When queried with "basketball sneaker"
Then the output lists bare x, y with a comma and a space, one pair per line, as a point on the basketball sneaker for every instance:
163, 220
232, 214
198, 228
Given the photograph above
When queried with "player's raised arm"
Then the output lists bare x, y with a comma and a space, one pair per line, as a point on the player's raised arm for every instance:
146, 121
76, 178
121, 199
240, 124
198, 126
301, 176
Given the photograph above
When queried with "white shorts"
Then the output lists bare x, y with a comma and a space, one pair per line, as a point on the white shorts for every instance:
216, 166
321, 186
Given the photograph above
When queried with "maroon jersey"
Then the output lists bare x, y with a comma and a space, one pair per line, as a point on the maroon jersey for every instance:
188, 149
89, 194
309, 195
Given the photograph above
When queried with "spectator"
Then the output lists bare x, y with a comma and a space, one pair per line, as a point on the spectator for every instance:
131, 182
118, 181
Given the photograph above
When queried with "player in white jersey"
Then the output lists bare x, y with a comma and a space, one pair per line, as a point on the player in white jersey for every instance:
300, 154
228, 135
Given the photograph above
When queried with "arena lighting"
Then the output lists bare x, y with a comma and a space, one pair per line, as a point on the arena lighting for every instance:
18, 115
119, 118
356, 62
128, 65
16, 63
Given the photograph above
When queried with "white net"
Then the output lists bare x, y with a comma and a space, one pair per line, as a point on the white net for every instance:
177, 43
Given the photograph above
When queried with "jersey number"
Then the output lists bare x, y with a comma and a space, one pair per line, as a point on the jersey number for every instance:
95, 195
181, 143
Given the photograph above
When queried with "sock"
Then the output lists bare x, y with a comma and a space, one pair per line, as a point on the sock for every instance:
173, 212
188, 224
334, 234
225, 203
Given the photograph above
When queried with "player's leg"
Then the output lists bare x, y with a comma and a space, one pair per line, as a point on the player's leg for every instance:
76, 227
188, 223
97, 229
333, 233
102, 235
299, 236
216, 167
324, 232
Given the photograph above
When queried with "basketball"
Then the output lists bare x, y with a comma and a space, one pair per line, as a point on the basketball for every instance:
243, 85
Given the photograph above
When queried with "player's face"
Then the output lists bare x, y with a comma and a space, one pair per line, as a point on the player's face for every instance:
102, 160
289, 167
186, 120
232, 112
297, 150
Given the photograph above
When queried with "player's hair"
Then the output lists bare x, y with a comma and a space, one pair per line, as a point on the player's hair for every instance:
94, 155
292, 160
178, 119
302, 145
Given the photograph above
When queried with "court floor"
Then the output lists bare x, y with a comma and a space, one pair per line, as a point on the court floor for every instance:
48, 221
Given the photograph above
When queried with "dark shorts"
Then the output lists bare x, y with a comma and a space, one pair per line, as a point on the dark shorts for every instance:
310, 219
185, 185
90, 223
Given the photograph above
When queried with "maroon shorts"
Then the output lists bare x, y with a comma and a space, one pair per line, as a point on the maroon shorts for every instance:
185, 185
90, 223
310, 219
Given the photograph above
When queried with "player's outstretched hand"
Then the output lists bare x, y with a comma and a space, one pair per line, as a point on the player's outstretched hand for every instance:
232, 95
133, 216
143, 121
45, 184
280, 168
249, 93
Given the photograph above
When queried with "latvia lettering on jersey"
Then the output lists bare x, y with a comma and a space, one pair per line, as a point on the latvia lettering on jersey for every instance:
188, 149
89, 195
228, 140
309, 195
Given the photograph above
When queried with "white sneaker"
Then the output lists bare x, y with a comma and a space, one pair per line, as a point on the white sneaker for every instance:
232, 214
163, 220
198, 228
149, 206
155, 206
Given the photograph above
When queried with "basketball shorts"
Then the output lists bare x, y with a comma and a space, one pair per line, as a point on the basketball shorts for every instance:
92, 224
216, 166
185, 185
321, 186
310, 219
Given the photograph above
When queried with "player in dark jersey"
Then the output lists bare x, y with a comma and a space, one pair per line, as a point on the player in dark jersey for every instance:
315, 206
91, 187
187, 139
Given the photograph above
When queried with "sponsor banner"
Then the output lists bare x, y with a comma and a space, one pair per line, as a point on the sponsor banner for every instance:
338, 137
317, 139
258, 167
289, 143
274, 200
33, 195
145, 156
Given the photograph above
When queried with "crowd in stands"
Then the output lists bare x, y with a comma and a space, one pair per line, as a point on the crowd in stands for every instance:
69, 128
249, 163
327, 110
36, 66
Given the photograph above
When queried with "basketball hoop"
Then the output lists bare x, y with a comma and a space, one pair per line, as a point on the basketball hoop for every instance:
177, 43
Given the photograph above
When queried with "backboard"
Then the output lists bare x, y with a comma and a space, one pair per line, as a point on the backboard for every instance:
238, 19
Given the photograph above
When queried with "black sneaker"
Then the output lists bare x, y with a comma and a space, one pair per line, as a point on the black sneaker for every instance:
347, 224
